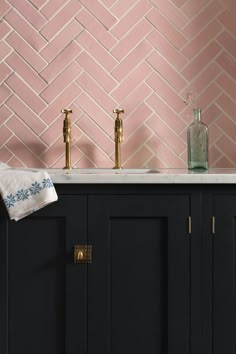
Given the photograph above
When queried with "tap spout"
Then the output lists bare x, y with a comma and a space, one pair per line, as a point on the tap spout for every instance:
67, 137
118, 137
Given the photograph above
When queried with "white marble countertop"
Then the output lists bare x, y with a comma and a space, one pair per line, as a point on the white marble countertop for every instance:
136, 176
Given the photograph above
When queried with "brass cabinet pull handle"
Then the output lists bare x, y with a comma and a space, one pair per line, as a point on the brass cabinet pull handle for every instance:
82, 254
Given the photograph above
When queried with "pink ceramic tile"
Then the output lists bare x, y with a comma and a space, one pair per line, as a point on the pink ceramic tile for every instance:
135, 142
223, 162
5, 114
208, 97
167, 29
192, 8
227, 19
158, 84
162, 45
95, 91
139, 74
65, 15
88, 147
26, 114
139, 159
5, 71
84, 162
26, 94
227, 84
5, 93
201, 40
26, 51
166, 113
227, 105
230, 5
96, 29
61, 40
166, 134
167, 71
61, 62
97, 51
131, 61
137, 97
228, 147
27, 31
228, 126
26, 72
121, 7
29, 12
56, 152
93, 110
55, 130
5, 29
56, 87
201, 61
65, 100
38, 3
131, 19
5, 50
214, 134
24, 153
101, 76
4, 8
26, 135
211, 114
52, 7
99, 137
5, 155
228, 64
5, 134
164, 153
202, 19
136, 119
131, 40
208, 75
108, 3
228, 42
155, 163
100, 12
171, 12
178, 3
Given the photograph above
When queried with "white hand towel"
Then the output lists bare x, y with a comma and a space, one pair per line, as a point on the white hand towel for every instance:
24, 192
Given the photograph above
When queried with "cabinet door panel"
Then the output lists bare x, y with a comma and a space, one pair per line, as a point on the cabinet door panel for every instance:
42, 282
138, 283
224, 275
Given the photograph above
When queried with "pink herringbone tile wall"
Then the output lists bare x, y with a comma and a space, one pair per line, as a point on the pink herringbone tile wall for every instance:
92, 56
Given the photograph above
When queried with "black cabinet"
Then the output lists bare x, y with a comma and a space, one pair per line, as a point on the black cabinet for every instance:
224, 274
159, 282
139, 282
42, 293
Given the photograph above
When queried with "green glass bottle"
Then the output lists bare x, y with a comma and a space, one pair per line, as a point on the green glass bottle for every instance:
197, 140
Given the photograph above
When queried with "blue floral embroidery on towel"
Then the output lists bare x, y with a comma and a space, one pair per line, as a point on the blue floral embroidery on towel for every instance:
10, 200
24, 194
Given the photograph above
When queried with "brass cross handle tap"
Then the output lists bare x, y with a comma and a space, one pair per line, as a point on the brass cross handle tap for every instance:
67, 137
118, 137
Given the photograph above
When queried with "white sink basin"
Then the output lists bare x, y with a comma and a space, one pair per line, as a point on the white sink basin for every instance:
101, 171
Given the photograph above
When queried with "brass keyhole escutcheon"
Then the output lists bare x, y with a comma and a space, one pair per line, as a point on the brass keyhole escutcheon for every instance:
82, 254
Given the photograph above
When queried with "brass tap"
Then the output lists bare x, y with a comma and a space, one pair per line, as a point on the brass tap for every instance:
67, 137
118, 137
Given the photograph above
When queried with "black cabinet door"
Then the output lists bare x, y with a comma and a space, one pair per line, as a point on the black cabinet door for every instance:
43, 293
224, 275
139, 280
